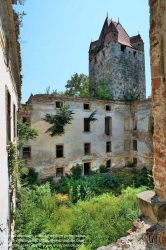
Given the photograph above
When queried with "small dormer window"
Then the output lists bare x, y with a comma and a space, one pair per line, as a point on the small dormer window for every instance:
123, 47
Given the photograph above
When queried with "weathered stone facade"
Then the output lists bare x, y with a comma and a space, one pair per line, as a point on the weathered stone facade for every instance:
119, 59
114, 147
158, 72
10, 92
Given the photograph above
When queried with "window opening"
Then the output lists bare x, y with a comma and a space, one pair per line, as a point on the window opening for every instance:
86, 168
135, 161
26, 153
123, 47
14, 120
134, 124
108, 125
86, 125
108, 164
59, 151
8, 116
59, 172
108, 107
59, 104
108, 146
134, 53
135, 145
86, 106
87, 148
26, 119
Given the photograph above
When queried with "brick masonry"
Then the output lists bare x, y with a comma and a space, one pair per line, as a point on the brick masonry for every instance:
158, 72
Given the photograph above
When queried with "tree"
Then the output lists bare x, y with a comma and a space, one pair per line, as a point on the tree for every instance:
63, 116
101, 90
78, 85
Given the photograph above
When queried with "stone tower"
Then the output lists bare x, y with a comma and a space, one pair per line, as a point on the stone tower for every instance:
119, 59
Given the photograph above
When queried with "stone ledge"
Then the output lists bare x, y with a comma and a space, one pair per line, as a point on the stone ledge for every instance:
151, 207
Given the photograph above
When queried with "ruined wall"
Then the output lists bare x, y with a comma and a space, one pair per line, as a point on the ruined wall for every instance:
141, 113
158, 72
43, 148
9, 85
125, 70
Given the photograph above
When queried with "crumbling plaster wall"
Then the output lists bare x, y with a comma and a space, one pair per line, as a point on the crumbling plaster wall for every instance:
142, 112
43, 155
10, 80
123, 69
158, 72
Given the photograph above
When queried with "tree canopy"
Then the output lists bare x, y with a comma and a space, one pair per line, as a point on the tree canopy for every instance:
78, 85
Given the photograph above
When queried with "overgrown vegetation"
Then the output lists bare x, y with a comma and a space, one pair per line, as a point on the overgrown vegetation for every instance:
41, 214
77, 205
13, 164
101, 90
131, 96
62, 117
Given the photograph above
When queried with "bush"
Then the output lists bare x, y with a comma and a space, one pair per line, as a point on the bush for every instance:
103, 169
77, 171
29, 177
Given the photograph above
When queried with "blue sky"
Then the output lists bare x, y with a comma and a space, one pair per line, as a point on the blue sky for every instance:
56, 35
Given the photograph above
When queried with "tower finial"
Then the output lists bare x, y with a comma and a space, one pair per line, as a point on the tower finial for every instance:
118, 19
138, 32
107, 14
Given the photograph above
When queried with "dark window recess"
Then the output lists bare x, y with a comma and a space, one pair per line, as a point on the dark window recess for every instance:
123, 48
86, 106
134, 53
108, 125
108, 107
108, 164
86, 168
134, 124
26, 153
8, 116
59, 151
26, 119
135, 161
108, 146
135, 145
14, 120
87, 148
59, 172
59, 104
86, 125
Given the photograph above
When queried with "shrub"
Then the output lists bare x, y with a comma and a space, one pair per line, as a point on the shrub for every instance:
77, 171
103, 169
29, 177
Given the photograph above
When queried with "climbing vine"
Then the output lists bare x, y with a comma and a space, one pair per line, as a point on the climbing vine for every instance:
13, 164
63, 116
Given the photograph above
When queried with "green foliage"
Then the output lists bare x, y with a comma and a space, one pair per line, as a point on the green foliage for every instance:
26, 132
53, 92
13, 164
63, 116
78, 86
151, 122
91, 118
28, 176
103, 169
40, 214
77, 171
131, 96
101, 90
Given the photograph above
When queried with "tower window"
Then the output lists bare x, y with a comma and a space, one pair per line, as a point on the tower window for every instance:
123, 47
134, 53
108, 164
134, 124
26, 119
